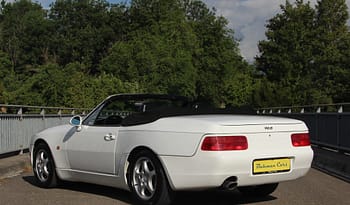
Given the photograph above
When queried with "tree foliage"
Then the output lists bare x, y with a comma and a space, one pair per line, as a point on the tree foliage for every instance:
332, 52
83, 31
305, 56
21, 33
78, 52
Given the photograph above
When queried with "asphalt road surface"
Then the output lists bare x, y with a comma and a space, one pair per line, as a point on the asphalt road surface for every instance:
316, 188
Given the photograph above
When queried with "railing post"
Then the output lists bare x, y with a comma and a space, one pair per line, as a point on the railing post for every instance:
317, 126
318, 110
20, 113
338, 129
42, 113
340, 110
60, 115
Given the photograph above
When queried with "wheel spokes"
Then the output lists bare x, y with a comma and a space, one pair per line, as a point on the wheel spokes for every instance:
144, 178
42, 165
42, 156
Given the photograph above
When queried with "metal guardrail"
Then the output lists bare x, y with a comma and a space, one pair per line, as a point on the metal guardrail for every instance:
330, 129
335, 107
16, 131
41, 110
19, 122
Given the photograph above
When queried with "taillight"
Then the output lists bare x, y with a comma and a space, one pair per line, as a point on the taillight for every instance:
301, 139
224, 143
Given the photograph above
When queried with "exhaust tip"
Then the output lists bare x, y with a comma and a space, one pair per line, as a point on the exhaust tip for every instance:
230, 184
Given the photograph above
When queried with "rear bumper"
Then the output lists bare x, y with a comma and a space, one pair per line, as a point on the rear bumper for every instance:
210, 169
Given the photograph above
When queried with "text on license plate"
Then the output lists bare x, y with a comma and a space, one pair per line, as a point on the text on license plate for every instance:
271, 165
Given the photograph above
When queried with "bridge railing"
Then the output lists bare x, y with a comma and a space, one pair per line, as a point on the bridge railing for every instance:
18, 123
329, 127
329, 124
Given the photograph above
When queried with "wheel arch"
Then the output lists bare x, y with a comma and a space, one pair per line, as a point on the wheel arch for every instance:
142, 148
36, 143
39, 141
40, 146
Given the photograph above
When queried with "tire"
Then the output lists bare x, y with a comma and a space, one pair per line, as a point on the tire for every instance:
44, 167
147, 181
259, 190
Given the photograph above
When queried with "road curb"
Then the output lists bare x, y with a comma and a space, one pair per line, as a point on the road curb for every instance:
12, 166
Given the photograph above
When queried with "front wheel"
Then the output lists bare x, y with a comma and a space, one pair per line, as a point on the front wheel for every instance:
147, 181
44, 167
259, 190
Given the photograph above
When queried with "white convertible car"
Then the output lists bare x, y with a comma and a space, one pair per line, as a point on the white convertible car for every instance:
154, 145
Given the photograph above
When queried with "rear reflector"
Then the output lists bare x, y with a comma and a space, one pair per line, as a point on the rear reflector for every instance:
301, 139
224, 143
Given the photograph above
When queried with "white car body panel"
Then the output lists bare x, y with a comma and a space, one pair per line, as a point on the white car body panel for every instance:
87, 150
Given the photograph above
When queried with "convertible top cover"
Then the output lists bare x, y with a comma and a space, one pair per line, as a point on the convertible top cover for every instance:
136, 109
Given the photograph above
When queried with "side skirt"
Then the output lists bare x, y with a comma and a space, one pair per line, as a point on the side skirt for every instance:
93, 178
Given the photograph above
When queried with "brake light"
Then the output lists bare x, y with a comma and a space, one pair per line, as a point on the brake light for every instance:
224, 143
301, 139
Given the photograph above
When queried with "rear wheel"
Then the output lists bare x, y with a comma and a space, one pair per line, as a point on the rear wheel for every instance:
147, 181
259, 190
44, 167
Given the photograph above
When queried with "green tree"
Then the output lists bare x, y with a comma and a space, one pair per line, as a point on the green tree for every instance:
24, 34
306, 54
218, 60
287, 52
158, 53
79, 51
287, 56
180, 47
87, 91
6, 76
83, 30
332, 54
47, 87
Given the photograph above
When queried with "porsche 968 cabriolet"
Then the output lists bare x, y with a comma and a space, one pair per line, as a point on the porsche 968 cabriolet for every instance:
154, 145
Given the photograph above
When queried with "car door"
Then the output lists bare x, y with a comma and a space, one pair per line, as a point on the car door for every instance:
92, 148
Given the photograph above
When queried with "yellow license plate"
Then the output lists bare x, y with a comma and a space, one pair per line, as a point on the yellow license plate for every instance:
271, 166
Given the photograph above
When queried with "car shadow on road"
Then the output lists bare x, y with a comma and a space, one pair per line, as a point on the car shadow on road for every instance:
217, 197
94, 189
209, 197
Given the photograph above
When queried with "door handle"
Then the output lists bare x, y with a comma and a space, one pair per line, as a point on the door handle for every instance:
109, 137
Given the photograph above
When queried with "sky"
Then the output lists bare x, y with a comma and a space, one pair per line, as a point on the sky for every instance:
246, 17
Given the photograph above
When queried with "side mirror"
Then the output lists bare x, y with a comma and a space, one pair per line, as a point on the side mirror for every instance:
76, 121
